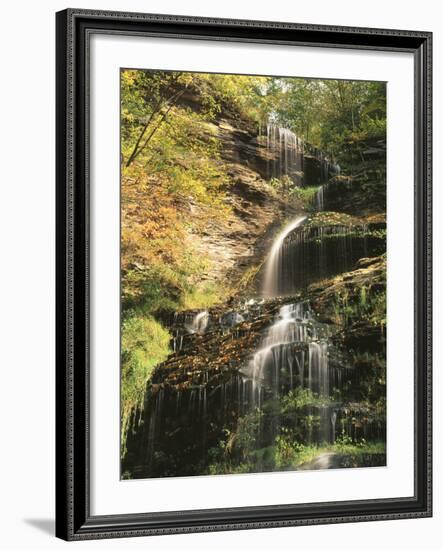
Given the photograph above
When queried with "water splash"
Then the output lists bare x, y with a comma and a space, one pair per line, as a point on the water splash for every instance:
199, 323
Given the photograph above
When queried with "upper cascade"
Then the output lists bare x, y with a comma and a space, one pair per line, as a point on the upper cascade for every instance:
289, 155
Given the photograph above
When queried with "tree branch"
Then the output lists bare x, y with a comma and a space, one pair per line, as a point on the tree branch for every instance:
139, 148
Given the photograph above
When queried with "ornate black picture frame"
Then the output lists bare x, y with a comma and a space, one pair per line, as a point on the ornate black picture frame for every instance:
74, 30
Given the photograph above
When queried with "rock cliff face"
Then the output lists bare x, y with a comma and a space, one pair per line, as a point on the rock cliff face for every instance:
363, 191
325, 333
258, 210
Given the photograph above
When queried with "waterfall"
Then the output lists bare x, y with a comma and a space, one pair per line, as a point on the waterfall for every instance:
154, 425
200, 322
288, 155
319, 368
333, 422
321, 196
289, 352
292, 334
319, 199
291, 326
293, 354
303, 254
186, 324
285, 150
273, 263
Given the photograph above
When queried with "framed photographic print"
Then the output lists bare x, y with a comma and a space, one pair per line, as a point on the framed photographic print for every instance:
243, 274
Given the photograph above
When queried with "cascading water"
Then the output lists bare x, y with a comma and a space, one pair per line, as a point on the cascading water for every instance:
272, 285
321, 196
305, 253
286, 150
288, 155
294, 354
199, 322
185, 324
320, 199
262, 363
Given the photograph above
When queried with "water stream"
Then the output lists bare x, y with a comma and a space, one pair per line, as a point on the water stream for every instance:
273, 263
289, 155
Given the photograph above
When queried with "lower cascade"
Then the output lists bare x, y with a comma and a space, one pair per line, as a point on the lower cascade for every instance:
281, 367
294, 354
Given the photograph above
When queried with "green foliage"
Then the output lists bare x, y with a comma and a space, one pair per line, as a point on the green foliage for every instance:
306, 195
144, 344
248, 277
150, 289
245, 435
345, 446
170, 161
201, 296
298, 415
334, 115
172, 184
288, 454
283, 184
244, 95
299, 398
327, 219
366, 303
370, 386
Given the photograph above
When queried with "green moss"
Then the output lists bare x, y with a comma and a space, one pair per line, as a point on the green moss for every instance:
345, 446
364, 303
151, 289
322, 219
299, 398
201, 296
144, 344
246, 281
304, 194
